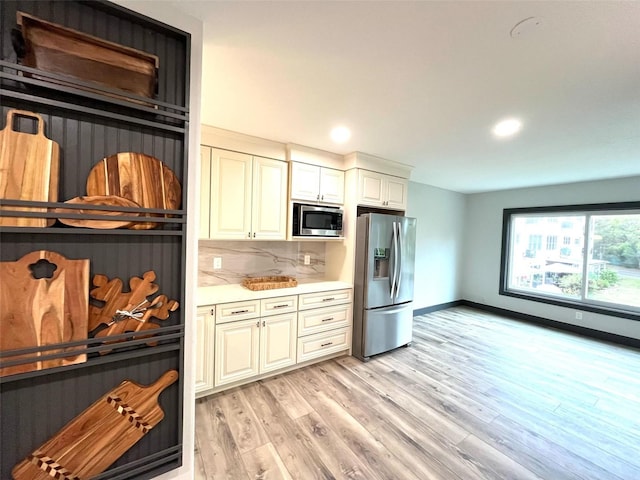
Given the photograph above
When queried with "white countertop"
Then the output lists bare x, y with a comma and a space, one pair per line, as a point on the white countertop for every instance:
237, 293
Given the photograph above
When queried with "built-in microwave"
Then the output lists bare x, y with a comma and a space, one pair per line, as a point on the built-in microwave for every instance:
316, 221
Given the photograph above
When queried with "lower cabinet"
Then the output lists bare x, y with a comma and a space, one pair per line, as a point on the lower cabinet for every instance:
251, 347
205, 323
241, 340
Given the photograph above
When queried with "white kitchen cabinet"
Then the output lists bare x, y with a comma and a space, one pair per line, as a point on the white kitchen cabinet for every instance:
316, 184
380, 190
278, 342
250, 347
204, 349
247, 197
324, 323
237, 351
322, 344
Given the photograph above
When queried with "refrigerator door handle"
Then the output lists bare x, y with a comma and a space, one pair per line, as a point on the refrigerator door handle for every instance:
399, 259
394, 284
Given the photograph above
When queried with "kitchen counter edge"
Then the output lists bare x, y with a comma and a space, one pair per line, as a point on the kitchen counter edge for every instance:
237, 293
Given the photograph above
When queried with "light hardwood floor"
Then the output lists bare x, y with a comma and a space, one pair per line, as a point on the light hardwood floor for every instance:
476, 396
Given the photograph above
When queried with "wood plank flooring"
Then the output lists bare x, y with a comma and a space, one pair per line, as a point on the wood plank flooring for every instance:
476, 396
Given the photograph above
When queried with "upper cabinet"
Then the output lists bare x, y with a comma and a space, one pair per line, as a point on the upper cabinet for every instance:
379, 190
316, 184
245, 196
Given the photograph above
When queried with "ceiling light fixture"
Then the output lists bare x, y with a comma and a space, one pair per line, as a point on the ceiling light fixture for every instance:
507, 128
340, 134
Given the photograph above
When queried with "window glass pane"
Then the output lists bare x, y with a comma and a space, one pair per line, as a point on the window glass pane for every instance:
539, 263
614, 259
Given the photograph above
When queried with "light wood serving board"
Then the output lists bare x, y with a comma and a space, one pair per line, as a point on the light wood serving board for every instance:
138, 177
112, 222
29, 170
43, 311
96, 438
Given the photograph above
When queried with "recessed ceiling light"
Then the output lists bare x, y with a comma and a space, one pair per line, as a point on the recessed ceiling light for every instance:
506, 128
340, 134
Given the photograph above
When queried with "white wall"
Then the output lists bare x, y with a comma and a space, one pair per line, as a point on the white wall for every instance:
483, 236
439, 243
169, 15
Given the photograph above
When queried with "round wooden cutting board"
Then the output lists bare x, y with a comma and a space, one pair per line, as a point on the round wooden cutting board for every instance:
140, 178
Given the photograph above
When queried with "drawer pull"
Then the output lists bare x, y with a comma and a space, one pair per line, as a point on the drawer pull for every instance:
280, 306
328, 299
326, 344
240, 311
327, 319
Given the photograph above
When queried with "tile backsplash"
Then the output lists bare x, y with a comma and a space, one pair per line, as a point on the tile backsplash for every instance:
243, 259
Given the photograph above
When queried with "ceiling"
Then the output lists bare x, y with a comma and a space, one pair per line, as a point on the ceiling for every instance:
423, 82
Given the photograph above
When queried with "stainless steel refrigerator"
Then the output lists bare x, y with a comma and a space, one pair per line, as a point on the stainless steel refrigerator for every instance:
384, 273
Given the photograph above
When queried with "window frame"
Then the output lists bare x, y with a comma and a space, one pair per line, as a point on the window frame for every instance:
577, 304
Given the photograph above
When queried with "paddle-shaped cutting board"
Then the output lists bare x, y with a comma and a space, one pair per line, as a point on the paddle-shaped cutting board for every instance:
43, 311
96, 438
138, 177
29, 170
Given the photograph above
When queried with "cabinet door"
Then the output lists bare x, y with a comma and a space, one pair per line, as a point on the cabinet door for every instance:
269, 204
230, 201
305, 182
278, 341
237, 350
204, 349
205, 191
331, 185
396, 194
370, 191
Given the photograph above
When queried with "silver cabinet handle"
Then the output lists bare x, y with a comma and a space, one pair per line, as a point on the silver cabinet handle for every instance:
248, 234
258, 324
239, 311
254, 234
328, 299
326, 344
318, 197
327, 319
212, 311
264, 323
280, 306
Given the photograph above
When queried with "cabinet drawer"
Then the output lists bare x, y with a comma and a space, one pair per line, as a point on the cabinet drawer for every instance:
230, 312
277, 305
320, 344
323, 319
325, 299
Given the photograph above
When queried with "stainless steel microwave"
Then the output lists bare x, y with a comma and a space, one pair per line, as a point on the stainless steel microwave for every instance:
316, 221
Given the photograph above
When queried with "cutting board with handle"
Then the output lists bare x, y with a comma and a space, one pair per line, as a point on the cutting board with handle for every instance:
138, 177
96, 438
29, 170
44, 300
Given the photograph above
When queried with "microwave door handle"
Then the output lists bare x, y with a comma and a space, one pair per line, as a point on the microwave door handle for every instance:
399, 261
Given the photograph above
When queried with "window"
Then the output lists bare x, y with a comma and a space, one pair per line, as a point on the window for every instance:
596, 268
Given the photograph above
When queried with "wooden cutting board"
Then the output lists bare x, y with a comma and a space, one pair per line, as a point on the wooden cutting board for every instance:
43, 311
112, 299
111, 200
96, 438
29, 170
138, 177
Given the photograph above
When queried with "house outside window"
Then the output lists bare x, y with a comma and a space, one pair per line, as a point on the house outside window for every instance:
596, 267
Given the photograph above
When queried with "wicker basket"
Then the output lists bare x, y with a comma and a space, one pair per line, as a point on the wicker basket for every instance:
269, 283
